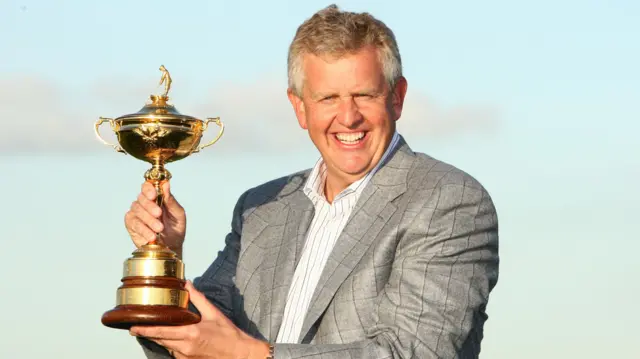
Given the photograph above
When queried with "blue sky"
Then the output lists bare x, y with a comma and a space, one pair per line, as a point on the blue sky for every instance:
538, 100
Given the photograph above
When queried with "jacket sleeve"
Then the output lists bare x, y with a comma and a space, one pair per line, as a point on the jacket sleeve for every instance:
216, 283
445, 266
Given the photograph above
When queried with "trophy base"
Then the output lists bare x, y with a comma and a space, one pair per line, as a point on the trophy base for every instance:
126, 316
152, 292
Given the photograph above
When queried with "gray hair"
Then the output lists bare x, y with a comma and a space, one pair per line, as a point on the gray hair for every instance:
335, 33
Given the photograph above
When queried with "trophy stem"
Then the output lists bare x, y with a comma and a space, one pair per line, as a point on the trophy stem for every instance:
157, 175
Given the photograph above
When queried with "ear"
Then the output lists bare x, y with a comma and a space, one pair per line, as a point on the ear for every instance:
397, 98
298, 108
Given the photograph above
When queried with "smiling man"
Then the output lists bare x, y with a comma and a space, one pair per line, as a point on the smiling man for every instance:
348, 104
377, 251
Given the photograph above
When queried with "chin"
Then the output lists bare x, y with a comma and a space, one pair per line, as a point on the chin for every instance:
354, 170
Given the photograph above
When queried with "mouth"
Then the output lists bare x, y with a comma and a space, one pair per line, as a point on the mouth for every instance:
350, 138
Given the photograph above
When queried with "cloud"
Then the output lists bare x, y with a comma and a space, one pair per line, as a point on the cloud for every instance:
423, 117
36, 117
41, 117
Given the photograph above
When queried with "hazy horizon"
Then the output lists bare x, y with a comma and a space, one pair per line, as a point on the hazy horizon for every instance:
537, 101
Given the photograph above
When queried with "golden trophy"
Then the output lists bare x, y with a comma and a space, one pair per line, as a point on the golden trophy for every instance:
153, 282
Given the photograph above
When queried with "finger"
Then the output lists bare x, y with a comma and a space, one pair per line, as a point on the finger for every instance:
176, 348
178, 333
169, 344
207, 310
137, 228
149, 205
148, 218
149, 190
166, 188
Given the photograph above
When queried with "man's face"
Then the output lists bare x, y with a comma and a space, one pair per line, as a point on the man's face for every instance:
349, 110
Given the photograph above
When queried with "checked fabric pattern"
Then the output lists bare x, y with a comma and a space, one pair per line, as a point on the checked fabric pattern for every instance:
409, 276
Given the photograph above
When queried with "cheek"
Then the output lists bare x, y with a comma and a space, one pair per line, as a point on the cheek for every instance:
374, 112
375, 118
320, 118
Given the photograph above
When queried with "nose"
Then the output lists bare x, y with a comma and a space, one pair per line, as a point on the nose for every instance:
349, 114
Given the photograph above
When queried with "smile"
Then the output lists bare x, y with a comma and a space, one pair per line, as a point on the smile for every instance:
350, 138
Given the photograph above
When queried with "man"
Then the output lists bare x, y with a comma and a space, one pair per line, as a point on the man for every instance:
375, 252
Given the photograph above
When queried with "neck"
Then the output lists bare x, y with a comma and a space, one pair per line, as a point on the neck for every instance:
335, 184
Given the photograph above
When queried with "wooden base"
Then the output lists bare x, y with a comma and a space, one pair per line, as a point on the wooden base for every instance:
126, 316
153, 291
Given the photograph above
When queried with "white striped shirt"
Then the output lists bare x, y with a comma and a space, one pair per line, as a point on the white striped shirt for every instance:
327, 224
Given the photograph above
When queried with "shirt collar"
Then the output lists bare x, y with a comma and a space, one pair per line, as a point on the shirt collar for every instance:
314, 186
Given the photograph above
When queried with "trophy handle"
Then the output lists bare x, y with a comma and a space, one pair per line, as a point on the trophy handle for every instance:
97, 131
217, 121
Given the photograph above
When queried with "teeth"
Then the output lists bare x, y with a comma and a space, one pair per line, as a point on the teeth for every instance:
350, 138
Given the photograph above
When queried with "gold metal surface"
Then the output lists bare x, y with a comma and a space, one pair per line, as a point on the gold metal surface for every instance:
153, 268
217, 121
166, 78
100, 121
154, 251
152, 296
153, 260
158, 134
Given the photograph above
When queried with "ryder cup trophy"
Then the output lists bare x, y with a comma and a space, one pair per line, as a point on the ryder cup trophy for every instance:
153, 282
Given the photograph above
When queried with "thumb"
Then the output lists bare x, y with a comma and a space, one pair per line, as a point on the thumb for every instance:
169, 200
207, 310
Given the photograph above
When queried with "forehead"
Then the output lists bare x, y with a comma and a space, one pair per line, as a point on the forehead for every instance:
359, 69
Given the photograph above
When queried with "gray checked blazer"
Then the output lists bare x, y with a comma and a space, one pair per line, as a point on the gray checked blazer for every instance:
409, 277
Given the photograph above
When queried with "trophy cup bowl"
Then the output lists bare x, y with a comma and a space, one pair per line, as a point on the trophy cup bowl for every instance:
153, 281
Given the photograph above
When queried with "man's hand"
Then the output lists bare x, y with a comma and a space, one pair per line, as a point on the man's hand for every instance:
215, 336
146, 218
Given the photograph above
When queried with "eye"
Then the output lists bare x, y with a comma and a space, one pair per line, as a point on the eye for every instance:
364, 96
329, 98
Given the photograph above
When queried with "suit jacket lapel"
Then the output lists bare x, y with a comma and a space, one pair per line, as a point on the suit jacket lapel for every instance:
300, 212
372, 211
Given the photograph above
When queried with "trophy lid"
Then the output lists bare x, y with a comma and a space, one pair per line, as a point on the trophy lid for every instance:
159, 108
